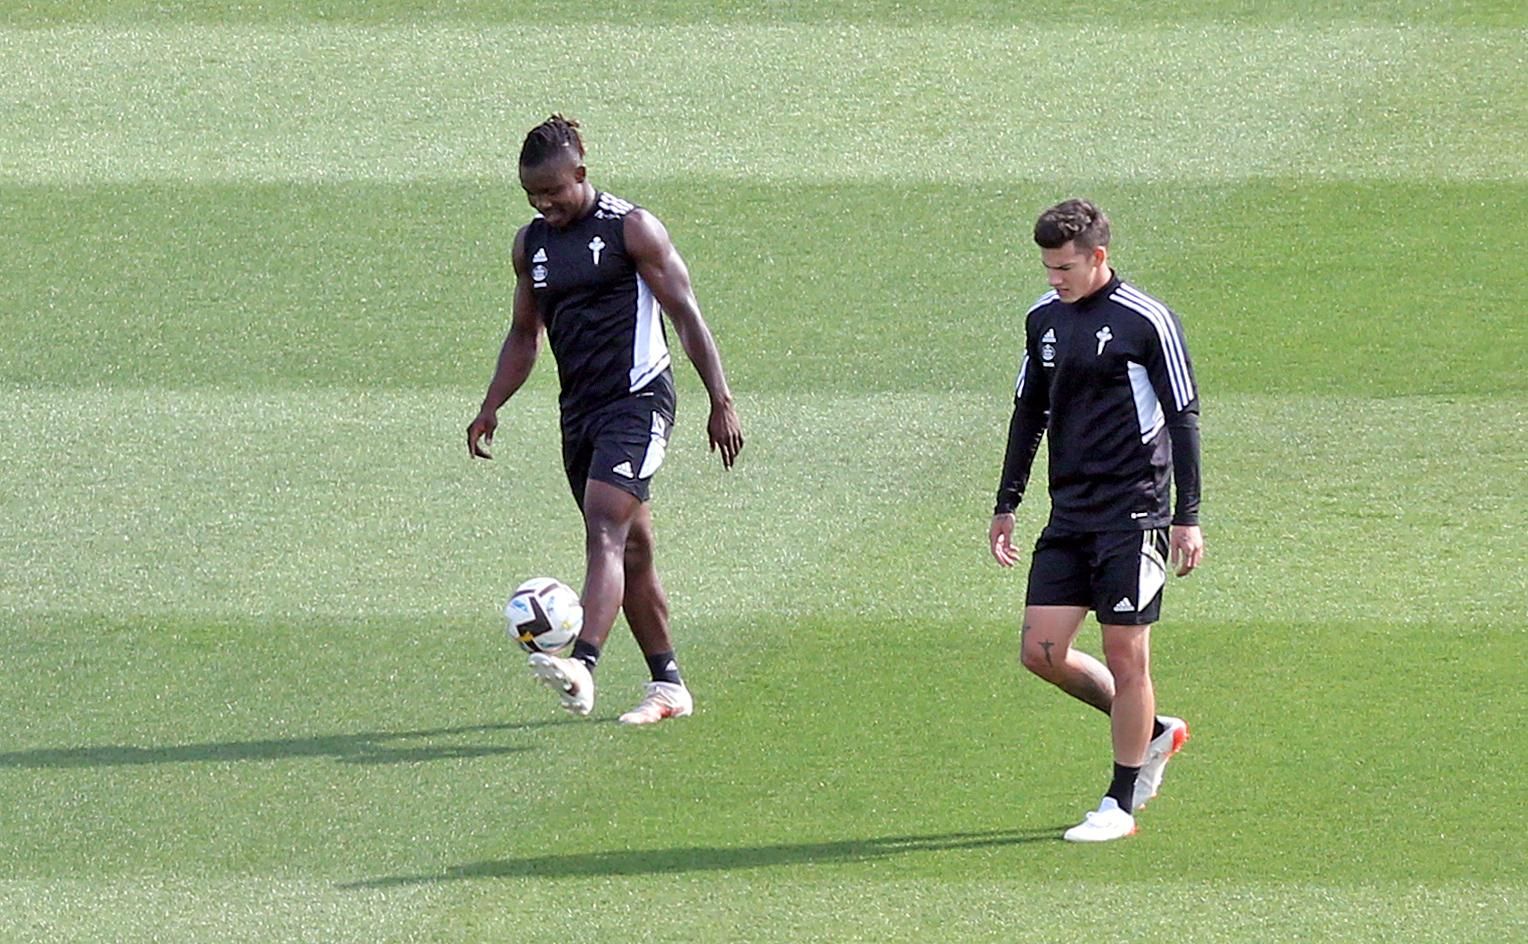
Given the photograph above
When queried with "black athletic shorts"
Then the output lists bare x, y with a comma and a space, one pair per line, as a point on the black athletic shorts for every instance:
621, 443
1117, 574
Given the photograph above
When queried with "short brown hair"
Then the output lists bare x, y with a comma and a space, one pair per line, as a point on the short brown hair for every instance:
1072, 221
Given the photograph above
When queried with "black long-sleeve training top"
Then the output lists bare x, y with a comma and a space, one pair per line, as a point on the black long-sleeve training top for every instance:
1109, 379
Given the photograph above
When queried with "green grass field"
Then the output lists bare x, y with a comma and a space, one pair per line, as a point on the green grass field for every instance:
255, 275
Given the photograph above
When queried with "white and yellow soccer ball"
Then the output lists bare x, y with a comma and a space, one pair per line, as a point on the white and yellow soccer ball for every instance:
544, 615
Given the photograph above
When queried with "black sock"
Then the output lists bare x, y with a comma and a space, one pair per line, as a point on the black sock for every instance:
1123, 787
1157, 727
587, 653
663, 667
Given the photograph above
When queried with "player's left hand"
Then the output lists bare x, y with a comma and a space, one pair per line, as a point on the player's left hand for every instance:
1185, 548
725, 432
480, 433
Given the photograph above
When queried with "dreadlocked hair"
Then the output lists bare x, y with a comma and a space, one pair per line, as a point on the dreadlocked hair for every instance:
550, 137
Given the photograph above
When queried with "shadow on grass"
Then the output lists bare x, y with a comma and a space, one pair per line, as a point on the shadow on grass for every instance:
366, 747
715, 858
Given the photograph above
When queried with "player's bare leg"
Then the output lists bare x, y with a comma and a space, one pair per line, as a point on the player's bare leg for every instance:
645, 603
1127, 649
608, 514
1049, 632
647, 614
1046, 650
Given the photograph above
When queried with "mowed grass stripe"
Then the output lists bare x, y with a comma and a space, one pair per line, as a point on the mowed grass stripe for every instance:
848, 733
667, 907
754, 910
131, 13
1284, 286
181, 910
280, 748
406, 752
766, 102
132, 503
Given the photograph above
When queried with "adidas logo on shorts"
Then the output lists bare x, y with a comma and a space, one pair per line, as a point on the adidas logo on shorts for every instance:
623, 470
1124, 606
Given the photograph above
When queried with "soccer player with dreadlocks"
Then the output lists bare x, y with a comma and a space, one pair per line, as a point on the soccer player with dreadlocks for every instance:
596, 273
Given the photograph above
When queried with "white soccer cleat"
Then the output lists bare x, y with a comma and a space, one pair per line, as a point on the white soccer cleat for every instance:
1104, 824
1158, 753
661, 700
569, 677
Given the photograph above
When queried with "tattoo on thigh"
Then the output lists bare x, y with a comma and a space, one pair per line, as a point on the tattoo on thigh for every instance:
1024, 643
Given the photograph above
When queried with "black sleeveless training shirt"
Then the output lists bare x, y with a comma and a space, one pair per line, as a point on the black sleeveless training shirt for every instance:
604, 325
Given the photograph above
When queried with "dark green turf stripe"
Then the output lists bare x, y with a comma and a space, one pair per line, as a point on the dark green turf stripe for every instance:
1287, 286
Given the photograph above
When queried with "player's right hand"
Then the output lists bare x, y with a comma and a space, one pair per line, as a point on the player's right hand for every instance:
1000, 540
725, 431
480, 433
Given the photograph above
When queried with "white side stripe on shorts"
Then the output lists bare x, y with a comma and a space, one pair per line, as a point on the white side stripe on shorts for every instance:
1153, 573
657, 446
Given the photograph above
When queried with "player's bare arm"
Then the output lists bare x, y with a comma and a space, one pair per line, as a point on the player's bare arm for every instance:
516, 357
665, 273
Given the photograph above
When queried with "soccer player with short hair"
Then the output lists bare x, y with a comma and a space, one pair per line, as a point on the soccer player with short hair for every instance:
596, 273
1106, 378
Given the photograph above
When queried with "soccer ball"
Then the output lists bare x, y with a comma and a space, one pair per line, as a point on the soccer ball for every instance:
544, 615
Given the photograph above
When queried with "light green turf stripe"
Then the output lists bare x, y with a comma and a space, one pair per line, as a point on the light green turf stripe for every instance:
1113, 13
133, 503
176, 909
776, 103
731, 908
